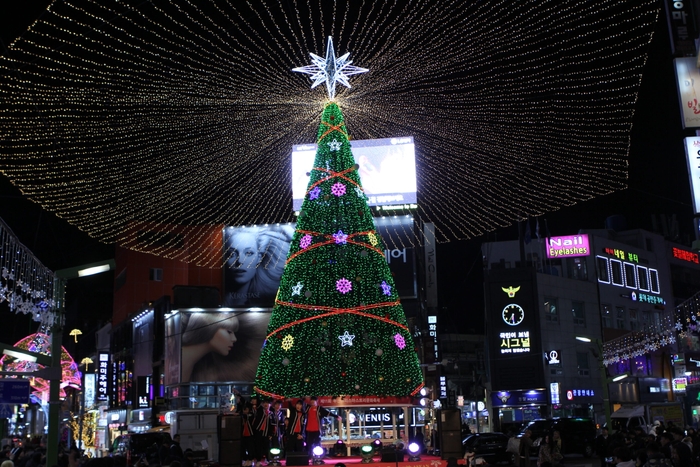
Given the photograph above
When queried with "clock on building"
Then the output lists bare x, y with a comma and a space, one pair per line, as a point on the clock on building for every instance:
513, 314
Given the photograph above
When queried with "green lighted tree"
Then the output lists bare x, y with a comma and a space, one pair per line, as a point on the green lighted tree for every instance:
338, 327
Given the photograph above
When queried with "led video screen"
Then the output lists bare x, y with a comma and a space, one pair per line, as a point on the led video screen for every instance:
387, 170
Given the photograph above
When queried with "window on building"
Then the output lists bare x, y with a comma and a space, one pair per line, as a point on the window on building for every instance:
606, 315
634, 317
620, 317
577, 269
643, 276
582, 363
616, 272
654, 280
579, 311
602, 267
551, 310
646, 319
156, 274
630, 276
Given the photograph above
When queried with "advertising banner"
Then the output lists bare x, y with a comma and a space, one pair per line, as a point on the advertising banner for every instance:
692, 155
387, 169
681, 27
172, 349
688, 79
215, 346
255, 258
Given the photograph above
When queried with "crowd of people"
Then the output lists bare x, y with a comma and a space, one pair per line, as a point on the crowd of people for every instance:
663, 446
266, 425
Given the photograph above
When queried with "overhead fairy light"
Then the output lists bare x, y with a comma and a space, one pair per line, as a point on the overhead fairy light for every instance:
153, 124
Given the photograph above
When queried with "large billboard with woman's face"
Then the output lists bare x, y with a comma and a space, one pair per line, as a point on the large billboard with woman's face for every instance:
214, 346
254, 259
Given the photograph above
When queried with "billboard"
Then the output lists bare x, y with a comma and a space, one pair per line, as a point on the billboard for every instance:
211, 346
688, 81
387, 170
568, 246
692, 155
254, 260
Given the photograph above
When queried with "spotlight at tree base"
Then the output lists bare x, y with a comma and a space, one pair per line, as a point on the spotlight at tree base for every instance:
377, 445
318, 453
413, 452
367, 452
339, 449
274, 456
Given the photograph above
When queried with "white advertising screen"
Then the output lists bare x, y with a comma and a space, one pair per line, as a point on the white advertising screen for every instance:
387, 170
688, 79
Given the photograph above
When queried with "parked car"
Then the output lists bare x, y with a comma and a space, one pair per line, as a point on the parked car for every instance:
577, 434
134, 446
489, 446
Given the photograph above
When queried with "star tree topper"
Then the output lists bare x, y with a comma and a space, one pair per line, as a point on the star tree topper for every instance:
331, 69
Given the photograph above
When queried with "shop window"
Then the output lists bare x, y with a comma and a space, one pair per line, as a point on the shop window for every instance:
551, 310
156, 274
582, 363
579, 312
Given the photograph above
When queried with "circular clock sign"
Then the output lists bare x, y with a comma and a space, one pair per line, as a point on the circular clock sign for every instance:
513, 314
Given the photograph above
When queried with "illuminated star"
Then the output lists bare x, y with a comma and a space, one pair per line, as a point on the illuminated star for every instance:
386, 288
331, 69
334, 145
340, 237
296, 289
346, 339
679, 326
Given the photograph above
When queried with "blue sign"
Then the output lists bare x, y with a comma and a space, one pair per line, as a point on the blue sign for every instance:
14, 391
518, 398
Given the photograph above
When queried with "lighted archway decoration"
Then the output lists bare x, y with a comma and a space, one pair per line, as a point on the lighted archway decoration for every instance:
41, 343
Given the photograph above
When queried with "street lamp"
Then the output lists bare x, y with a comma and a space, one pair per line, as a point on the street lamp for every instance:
62, 276
603, 377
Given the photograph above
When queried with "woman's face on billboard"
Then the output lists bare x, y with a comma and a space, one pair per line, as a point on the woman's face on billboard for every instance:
222, 341
245, 256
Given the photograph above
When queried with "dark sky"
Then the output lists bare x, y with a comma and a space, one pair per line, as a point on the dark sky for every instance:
658, 184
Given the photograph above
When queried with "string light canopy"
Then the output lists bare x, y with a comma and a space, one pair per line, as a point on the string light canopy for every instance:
134, 119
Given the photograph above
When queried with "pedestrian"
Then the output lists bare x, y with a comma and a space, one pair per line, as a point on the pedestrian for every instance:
314, 414
295, 428
602, 444
278, 417
622, 457
247, 439
262, 430
524, 449
176, 453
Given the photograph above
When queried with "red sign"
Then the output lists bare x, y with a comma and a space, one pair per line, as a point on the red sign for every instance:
367, 401
570, 395
685, 255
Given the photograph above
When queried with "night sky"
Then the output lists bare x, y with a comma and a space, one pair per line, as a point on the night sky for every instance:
658, 184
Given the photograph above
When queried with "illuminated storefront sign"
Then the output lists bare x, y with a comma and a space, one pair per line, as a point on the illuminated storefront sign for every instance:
572, 393
679, 384
568, 246
103, 376
554, 393
685, 255
515, 342
433, 333
518, 398
621, 254
553, 357
646, 298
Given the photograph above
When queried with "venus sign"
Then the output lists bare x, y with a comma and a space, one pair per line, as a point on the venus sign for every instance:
568, 246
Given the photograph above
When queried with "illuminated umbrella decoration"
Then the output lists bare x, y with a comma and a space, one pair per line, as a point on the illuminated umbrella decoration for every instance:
75, 333
86, 361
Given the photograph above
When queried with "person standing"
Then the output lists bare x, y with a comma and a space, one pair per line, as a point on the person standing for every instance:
295, 428
176, 450
314, 414
278, 417
247, 439
262, 425
602, 445
524, 449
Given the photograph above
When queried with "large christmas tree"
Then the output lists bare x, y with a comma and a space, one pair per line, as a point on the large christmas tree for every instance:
337, 327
